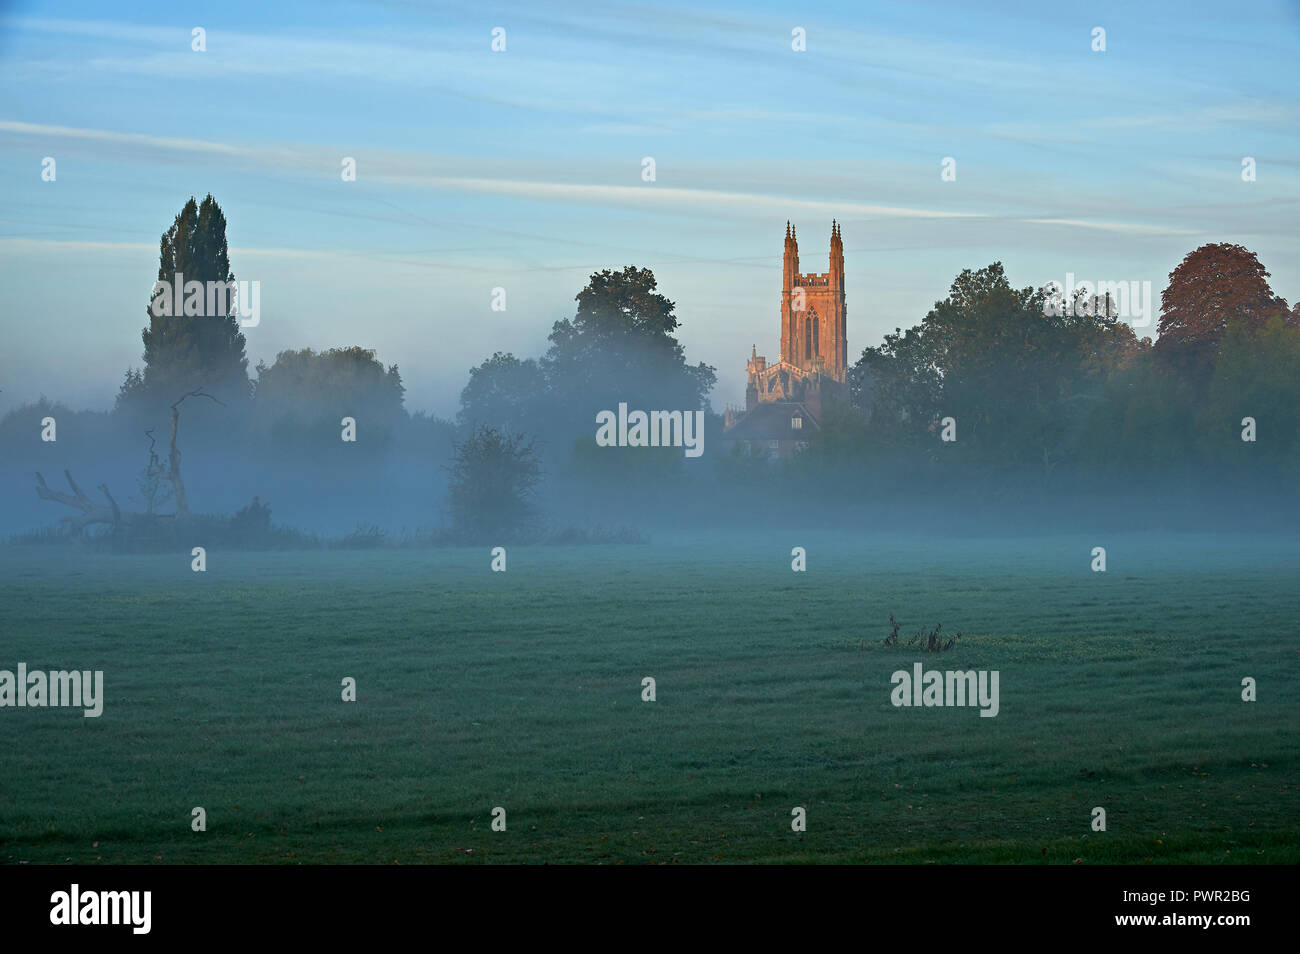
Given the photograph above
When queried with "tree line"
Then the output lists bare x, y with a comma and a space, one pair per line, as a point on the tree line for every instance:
1066, 396
1035, 396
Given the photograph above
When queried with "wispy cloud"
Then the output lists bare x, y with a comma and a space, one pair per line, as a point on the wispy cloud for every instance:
425, 172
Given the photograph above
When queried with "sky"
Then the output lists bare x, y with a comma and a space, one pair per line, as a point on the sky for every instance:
523, 168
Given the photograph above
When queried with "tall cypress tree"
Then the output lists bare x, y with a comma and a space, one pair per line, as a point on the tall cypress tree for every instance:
183, 352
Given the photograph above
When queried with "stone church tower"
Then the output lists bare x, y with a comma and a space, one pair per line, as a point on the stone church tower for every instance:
813, 311
784, 401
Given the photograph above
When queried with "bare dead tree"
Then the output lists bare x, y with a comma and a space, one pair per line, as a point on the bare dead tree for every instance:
150, 477
174, 457
92, 513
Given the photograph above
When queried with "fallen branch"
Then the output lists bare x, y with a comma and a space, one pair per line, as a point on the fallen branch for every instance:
117, 514
80, 501
91, 512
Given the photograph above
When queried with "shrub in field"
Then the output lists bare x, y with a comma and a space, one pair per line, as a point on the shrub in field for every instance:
927, 641
494, 476
364, 537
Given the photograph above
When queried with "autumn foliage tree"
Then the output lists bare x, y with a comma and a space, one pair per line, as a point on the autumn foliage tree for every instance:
1214, 287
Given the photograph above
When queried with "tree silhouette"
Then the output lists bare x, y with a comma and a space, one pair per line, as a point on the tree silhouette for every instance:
494, 476
183, 351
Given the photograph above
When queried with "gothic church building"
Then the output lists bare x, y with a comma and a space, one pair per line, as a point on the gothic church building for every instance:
784, 401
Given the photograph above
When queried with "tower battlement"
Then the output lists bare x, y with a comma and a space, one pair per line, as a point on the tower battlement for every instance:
806, 281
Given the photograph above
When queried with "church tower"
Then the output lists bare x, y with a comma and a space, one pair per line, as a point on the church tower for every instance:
813, 311
784, 400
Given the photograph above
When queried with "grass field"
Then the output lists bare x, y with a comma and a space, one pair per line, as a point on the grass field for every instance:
523, 690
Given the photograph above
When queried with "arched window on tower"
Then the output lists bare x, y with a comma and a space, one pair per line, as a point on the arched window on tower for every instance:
809, 323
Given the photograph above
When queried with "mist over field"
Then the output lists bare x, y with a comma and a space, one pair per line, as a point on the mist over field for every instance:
405, 488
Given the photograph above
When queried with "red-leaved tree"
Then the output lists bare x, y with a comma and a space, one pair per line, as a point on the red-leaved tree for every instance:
1213, 287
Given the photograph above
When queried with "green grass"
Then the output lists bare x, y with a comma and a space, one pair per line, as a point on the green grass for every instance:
523, 690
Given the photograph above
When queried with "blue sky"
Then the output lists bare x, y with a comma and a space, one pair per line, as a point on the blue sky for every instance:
522, 169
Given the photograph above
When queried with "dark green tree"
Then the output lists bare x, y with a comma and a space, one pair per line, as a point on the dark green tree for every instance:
1014, 373
493, 481
620, 346
504, 392
1256, 375
183, 352
304, 395
898, 383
